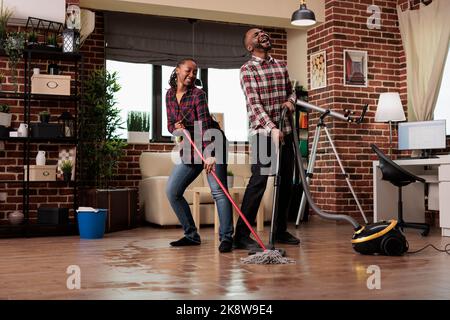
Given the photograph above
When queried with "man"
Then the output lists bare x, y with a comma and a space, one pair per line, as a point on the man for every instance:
267, 88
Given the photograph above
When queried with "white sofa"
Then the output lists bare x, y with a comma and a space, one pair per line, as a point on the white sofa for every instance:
155, 169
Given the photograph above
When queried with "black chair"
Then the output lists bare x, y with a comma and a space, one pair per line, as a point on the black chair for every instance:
399, 177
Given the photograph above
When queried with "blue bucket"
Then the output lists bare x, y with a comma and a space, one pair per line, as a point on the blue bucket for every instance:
91, 225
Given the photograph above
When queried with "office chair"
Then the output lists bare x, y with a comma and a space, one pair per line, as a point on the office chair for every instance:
399, 177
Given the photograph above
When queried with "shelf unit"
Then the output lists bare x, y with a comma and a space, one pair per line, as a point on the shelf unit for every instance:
72, 103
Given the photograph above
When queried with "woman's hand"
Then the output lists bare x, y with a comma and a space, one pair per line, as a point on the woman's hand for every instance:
179, 125
209, 164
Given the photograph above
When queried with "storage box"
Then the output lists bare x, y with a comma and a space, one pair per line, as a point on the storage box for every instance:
46, 130
41, 173
52, 215
50, 84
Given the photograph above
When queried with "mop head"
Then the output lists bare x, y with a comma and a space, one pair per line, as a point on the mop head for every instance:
267, 257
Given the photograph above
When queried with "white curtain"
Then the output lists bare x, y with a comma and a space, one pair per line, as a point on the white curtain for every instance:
425, 35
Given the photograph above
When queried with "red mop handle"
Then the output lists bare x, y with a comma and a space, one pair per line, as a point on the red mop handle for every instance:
188, 136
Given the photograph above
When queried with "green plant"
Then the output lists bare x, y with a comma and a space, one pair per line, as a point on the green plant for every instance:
14, 45
99, 118
5, 15
66, 166
51, 40
4, 108
32, 37
230, 174
44, 113
138, 121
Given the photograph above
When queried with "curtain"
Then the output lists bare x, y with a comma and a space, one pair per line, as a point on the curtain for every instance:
161, 40
425, 34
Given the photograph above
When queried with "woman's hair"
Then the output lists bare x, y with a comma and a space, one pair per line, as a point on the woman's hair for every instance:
173, 76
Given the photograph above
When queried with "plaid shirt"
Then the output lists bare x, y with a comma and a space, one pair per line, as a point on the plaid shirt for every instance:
266, 86
192, 110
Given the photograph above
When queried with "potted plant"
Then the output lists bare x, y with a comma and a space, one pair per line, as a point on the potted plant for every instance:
230, 179
138, 125
5, 116
66, 168
51, 41
44, 116
5, 15
101, 148
32, 39
14, 45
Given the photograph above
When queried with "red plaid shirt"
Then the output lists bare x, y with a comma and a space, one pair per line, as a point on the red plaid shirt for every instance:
266, 86
193, 108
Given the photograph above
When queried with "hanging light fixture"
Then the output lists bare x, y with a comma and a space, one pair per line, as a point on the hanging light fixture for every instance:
303, 16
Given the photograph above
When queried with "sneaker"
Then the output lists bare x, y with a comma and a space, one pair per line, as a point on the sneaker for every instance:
184, 242
287, 238
225, 246
246, 243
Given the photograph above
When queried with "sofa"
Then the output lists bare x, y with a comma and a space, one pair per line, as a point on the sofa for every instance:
155, 168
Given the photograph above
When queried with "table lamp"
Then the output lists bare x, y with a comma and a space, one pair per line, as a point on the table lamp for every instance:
389, 109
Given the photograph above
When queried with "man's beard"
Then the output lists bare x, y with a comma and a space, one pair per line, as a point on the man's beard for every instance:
260, 46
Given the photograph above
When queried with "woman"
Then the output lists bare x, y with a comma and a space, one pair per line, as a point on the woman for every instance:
187, 110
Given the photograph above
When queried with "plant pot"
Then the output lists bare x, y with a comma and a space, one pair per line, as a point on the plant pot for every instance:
44, 118
5, 119
67, 176
230, 181
135, 137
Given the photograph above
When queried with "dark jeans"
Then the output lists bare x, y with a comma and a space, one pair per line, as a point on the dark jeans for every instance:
258, 181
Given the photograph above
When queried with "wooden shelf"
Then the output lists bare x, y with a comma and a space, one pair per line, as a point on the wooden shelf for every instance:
44, 54
38, 97
40, 140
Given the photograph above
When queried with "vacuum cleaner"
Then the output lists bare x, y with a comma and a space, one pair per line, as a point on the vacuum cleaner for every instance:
384, 237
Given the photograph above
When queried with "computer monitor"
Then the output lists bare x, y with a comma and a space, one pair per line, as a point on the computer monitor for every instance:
422, 135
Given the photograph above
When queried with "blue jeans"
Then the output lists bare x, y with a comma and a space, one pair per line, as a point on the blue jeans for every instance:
182, 176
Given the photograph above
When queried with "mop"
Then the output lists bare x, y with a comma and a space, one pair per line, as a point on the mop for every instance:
266, 256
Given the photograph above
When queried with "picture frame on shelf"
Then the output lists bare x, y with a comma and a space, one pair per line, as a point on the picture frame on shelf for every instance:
355, 68
318, 64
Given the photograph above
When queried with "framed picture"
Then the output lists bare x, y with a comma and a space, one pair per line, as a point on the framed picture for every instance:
66, 154
355, 68
318, 64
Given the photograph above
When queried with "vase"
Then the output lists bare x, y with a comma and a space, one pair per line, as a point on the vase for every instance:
67, 176
16, 217
40, 158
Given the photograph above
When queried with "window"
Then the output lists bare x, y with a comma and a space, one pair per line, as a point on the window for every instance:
225, 96
136, 93
442, 110
165, 75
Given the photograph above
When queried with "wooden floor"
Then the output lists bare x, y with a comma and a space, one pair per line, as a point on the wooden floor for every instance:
139, 264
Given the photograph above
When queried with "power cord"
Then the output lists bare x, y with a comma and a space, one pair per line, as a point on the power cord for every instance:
446, 248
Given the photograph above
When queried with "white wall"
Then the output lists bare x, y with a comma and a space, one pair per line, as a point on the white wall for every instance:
297, 56
53, 10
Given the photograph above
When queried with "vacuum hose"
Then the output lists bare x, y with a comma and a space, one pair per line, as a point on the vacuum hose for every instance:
382, 237
325, 215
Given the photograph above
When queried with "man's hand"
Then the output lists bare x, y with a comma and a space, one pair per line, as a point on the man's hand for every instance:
209, 164
289, 105
179, 125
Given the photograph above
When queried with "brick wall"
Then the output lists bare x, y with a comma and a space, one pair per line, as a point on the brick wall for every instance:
345, 28
57, 194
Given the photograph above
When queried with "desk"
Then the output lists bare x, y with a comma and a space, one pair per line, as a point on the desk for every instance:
234, 193
435, 171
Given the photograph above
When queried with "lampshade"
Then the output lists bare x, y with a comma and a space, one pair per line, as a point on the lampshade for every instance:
389, 108
303, 16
